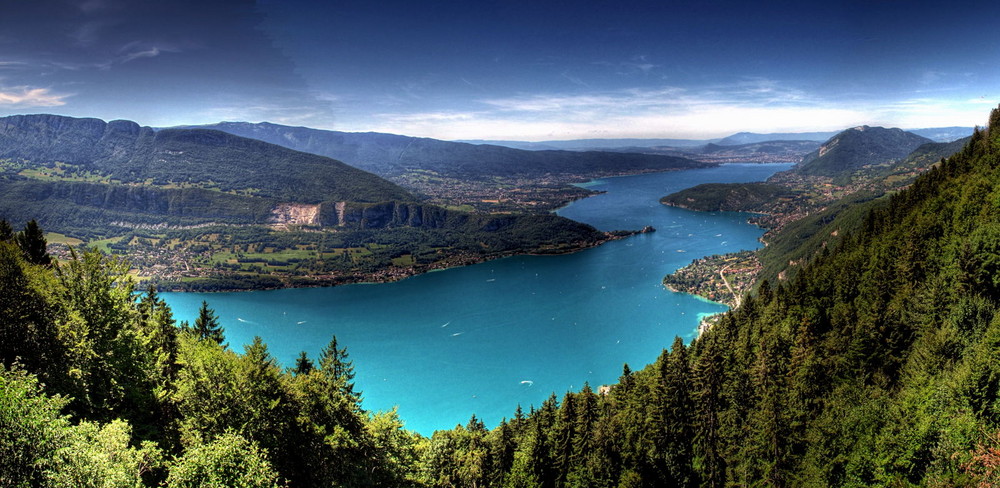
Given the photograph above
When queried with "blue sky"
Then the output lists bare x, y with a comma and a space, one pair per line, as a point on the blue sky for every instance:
526, 70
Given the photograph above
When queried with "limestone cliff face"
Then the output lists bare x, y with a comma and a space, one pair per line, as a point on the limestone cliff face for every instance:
382, 215
295, 214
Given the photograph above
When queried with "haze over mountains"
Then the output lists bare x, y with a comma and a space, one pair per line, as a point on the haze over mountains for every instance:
392, 156
402, 158
938, 134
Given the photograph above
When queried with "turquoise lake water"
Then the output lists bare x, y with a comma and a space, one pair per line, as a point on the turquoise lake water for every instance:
484, 338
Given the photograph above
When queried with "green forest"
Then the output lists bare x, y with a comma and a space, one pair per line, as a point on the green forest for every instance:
875, 365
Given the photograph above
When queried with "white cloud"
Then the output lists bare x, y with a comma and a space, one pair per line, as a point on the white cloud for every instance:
138, 50
929, 112
24, 97
755, 105
149, 53
709, 121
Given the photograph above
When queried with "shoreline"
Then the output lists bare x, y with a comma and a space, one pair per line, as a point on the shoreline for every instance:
399, 274
391, 275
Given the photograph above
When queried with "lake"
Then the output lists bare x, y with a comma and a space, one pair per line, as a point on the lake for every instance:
484, 338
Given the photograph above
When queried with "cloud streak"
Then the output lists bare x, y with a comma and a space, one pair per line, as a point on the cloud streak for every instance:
25, 97
756, 105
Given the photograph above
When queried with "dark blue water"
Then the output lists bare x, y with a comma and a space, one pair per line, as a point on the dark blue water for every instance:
484, 338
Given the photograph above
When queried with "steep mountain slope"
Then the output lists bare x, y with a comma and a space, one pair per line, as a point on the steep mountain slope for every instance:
124, 152
392, 155
857, 147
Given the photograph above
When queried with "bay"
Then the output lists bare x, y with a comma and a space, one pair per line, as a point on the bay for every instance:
483, 339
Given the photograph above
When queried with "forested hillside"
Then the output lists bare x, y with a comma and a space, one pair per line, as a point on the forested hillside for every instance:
877, 365
99, 388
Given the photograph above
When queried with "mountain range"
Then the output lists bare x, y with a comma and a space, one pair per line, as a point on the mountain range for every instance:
243, 213
123, 152
394, 156
229, 205
937, 134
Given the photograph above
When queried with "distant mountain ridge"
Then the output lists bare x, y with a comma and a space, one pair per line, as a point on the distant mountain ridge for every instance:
937, 134
944, 134
853, 148
124, 152
593, 144
391, 155
741, 138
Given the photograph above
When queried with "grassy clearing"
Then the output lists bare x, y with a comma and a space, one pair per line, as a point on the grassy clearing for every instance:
103, 244
57, 238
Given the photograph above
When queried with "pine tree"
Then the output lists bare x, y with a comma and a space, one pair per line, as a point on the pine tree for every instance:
563, 437
539, 462
206, 326
707, 389
160, 332
676, 410
32, 242
626, 381
502, 448
27, 331
586, 419
6, 231
303, 365
334, 364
